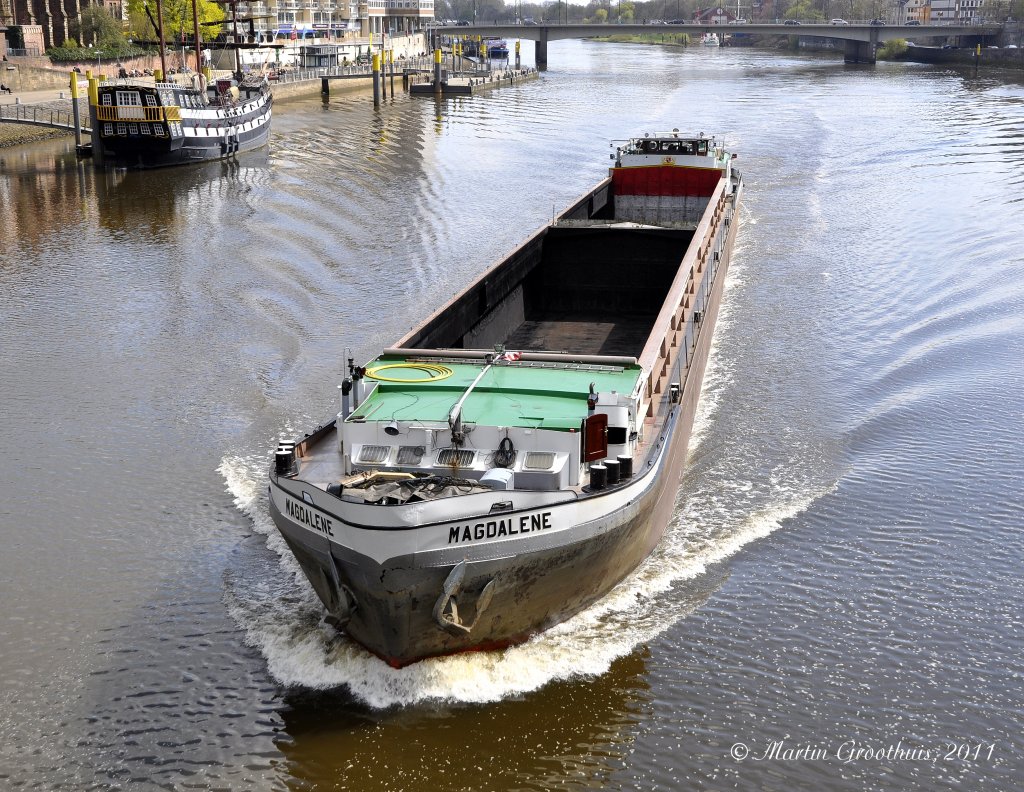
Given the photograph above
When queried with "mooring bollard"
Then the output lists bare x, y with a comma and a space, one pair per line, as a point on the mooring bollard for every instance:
376, 79
74, 110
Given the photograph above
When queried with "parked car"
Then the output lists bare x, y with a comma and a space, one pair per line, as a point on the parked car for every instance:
839, 22
790, 22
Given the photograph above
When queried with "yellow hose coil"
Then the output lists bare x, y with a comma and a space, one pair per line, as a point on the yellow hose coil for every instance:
436, 372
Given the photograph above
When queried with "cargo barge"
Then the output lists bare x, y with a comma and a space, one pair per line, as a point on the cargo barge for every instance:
517, 454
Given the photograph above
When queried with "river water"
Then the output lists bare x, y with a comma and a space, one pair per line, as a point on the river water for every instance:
838, 604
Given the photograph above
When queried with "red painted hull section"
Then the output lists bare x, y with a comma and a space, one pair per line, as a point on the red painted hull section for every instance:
665, 180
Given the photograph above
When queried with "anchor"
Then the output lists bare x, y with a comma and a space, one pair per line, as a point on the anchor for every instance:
446, 611
347, 605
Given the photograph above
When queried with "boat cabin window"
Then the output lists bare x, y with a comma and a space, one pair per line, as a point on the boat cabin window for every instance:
150, 100
105, 99
702, 147
129, 99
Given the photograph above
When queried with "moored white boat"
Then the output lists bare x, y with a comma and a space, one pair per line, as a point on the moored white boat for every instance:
517, 454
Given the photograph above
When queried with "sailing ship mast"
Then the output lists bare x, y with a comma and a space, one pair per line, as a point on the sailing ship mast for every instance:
160, 35
195, 28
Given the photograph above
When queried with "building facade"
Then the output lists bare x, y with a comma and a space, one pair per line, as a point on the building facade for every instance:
276, 20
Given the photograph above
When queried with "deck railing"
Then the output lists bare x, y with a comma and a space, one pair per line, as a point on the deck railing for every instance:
137, 113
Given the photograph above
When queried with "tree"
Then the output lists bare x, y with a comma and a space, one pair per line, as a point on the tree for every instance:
601, 16
97, 27
177, 18
804, 9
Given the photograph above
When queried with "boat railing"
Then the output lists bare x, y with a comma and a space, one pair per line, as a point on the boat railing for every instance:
661, 354
540, 357
137, 113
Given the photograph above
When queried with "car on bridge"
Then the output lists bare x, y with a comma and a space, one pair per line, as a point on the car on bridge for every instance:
790, 22
912, 22
838, 21
877, 21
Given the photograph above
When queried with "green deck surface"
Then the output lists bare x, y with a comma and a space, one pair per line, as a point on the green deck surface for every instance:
509, 394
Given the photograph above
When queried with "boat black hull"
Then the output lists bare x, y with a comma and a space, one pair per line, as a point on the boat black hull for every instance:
194, 150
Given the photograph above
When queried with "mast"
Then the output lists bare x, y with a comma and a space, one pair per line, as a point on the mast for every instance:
160, 35
234, 33
195, 27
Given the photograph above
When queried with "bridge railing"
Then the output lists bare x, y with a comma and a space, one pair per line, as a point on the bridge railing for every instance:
42, 116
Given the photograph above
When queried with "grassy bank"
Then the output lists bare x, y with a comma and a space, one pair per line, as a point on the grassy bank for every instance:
673, 39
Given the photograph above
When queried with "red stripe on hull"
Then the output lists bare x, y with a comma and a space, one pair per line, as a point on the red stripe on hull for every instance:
665, 180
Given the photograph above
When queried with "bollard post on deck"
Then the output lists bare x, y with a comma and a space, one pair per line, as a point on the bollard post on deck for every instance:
517, 53
376, 79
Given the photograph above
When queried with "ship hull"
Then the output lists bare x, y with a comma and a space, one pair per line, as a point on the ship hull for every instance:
198, 149
385, 572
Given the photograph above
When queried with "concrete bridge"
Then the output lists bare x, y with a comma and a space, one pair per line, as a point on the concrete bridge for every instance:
861, 40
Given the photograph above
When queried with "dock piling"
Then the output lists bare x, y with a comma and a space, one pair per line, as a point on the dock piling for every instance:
75, 112
376, 79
